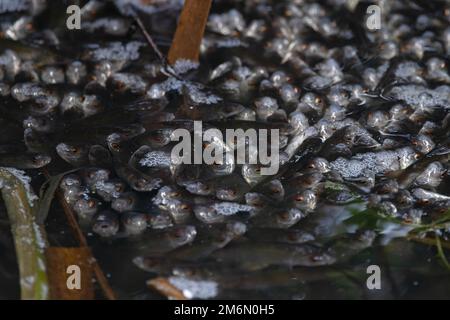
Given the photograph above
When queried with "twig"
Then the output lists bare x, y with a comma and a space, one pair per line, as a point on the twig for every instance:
189, 34
167, 69
164, 287
73, 223
149, 38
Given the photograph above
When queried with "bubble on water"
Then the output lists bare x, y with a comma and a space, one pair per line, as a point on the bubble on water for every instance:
71, 100
14, 6
184, 65
26, 91
10, 62
133, 82
113, 26
107, 187
195, 90
156, 159
117, 51
229, 43
230, 208
200, 289
371, 162
414, 95
227, 23
52, 75
163, 196
75, 72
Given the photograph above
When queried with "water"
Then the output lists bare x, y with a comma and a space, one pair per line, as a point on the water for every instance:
409, 270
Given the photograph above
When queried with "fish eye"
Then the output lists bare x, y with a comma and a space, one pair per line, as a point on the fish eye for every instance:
129, 201
284, 215
141, 182
292, 236
175, 194
118, 187
91, 203
184, 206
299, 198
115, 146
258, 170
318, 100
258, 205
74, 149
178, 233
221, 237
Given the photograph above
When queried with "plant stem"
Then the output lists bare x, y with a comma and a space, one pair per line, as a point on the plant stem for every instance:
29, 237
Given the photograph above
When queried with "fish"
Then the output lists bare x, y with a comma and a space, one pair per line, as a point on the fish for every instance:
109, 189
76, 155
137, 180
363, 120
130, 201
106, 224
273, 235
159, 242
86, 208
26, 160
99, 156
134, 223
283, 218
251, 257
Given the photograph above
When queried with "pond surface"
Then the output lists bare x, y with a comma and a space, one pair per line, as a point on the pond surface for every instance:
362, 115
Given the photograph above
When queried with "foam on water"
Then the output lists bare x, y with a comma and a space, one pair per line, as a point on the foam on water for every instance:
230, 208
371, 162
184, 65
118, 51
200, 289
195, 90
13, 6
155, 159
420, 96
